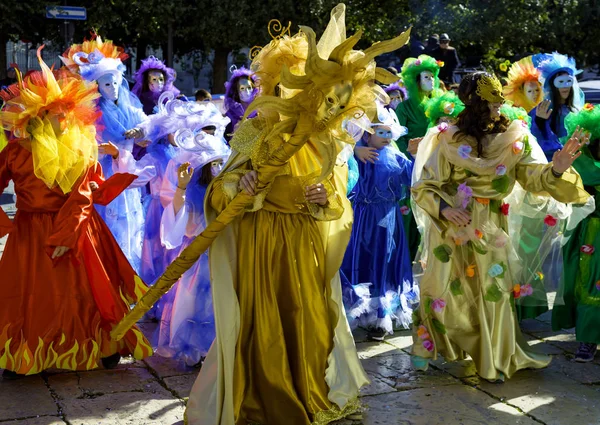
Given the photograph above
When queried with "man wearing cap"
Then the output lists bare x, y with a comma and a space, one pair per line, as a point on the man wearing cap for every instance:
449, 56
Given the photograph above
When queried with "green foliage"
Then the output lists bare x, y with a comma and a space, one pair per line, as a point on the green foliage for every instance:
443, 253
493, 293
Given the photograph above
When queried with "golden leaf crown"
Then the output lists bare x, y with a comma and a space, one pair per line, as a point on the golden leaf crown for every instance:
490, 89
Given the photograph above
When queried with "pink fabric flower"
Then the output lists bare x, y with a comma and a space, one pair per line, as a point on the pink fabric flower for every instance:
526, 290
438, 305
422, 332
464, 151
404, 210
428, 345
418, 62
501, 170
517, 147
588, 249
443, 126
501, 241
465, 193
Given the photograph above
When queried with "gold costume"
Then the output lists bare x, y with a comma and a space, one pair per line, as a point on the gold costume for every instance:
467, 286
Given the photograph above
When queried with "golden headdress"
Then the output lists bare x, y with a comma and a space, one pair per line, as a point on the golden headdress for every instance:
53, 115
522, 72
299, 77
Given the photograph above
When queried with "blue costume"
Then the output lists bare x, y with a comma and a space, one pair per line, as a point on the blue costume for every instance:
550, 133
377, 262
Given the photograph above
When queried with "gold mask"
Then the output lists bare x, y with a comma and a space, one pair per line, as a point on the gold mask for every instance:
490, 89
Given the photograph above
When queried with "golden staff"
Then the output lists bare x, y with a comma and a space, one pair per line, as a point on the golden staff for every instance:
203, 241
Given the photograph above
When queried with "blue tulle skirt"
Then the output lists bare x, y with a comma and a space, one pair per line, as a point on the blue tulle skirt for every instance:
377, 271
187, 324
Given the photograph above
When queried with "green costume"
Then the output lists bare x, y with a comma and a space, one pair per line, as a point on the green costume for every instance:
581, 290
411, 114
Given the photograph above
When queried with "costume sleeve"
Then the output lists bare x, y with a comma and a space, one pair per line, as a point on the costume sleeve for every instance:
548, 141
110, 188
353, 174
225, 187
144, 169
5, 177
71, 221
430, 190
402, 142
538, 179
173, 227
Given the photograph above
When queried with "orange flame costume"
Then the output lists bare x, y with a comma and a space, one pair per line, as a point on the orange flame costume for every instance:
57, 313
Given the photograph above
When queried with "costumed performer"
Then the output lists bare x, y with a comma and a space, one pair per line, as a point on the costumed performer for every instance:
562, 95
523, 87
122, 117
444, 108
280, 328
240, 91
187, 327
65, 280
581, 291
377, 261
470, 276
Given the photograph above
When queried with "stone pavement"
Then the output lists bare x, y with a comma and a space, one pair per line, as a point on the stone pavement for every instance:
154, 391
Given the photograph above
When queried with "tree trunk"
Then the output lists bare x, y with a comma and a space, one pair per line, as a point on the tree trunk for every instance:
220, 70
3, 64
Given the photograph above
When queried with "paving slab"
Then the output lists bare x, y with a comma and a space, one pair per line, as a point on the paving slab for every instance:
458, 369
367, 350
97, 383
131, 408
26, 397
446, 405
563, 340
166, 367
549, 396
398, 370
39, 420
182, 385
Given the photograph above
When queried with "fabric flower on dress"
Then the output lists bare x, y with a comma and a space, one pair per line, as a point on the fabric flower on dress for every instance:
438, 305
443, 126
517, 147
404, 210
465, 193
422, 332
501, 241
598, 285
478, 234
588, 249
501, 170
428, 345
520, 291
504, 208
464, 151
496, 270
483, 201
470, 271
588, 107
539, 276
550, 220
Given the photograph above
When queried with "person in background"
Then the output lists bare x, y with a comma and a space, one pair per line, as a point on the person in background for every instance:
432, 44
447, 54
203, 95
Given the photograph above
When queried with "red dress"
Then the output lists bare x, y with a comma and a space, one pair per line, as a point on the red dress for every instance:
58, 313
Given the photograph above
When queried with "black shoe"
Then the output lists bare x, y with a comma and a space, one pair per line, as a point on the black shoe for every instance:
586, 352
9, 375
376, 334
111, 362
